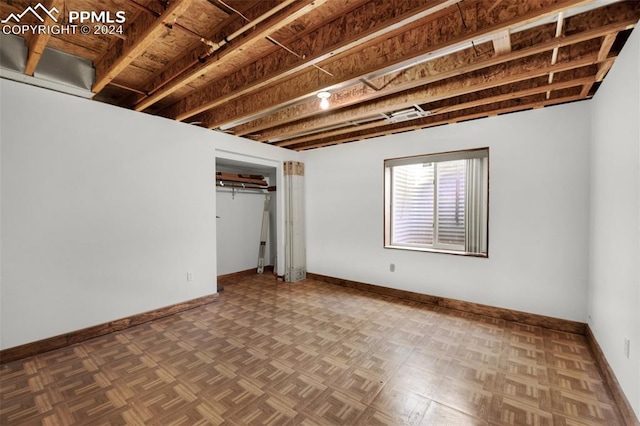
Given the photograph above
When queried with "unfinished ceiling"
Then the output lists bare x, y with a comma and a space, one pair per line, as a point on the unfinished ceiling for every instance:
254, 68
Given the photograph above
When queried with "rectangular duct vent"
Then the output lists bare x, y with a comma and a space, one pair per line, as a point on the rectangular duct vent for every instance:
408, 114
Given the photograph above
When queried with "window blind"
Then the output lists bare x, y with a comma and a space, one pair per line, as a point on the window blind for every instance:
413, 192
438, 201
451, 204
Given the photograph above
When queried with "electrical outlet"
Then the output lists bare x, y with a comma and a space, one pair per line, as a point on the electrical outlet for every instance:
627, 346
392, 267
189, 276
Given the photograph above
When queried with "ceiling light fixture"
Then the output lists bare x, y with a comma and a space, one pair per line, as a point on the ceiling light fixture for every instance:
324, 96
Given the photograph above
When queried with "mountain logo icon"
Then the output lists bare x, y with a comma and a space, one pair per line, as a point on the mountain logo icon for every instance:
44, 13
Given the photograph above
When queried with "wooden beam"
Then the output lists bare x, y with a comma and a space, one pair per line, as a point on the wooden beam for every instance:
495, 76
554, 56
535, 101
439, 69
607, 43
197, 53
262, 30
605, 63
603, 68
469, 99
459, 63
604, 55
543, 88
502, 43
139, 36
355, 28
455, 104
38, 42
197, 48
400, 52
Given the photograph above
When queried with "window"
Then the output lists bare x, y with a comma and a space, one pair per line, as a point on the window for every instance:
438, 202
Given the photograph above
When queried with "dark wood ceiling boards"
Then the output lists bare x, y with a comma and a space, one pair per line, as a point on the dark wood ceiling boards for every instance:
253, 68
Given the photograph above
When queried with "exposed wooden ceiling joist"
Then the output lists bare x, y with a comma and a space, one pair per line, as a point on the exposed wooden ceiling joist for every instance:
349, 30
604, 61
607, 43
512, 72
458, 63
38, 42
455, 104
270, 25
399, 52
502, 43
196, 50
138, 37
253, 67
535, 101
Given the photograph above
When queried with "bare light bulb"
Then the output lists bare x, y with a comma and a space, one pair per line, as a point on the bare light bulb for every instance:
324, 96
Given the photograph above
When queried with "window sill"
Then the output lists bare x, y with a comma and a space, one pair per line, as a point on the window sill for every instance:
442, 251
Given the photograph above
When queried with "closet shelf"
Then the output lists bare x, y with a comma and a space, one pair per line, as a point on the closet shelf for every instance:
257, 180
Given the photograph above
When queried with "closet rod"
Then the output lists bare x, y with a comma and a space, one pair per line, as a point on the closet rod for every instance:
238, 190
224, 184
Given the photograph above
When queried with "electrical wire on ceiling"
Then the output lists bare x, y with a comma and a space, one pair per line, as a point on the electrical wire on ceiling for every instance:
466, 27
215, 46
272, 40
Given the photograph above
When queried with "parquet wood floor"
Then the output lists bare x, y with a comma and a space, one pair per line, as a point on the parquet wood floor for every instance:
310, 353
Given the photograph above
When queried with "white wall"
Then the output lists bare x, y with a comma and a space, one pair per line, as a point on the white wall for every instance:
104, 211
537, 228
614, 259
238, 225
